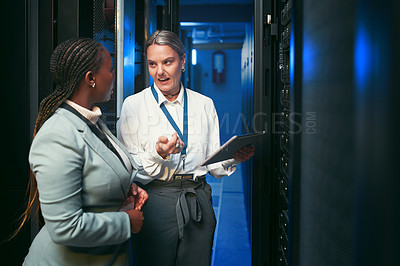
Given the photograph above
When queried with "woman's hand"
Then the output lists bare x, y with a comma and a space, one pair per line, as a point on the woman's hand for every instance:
137, 197
244, 153
165, 146
136, 219
140, 195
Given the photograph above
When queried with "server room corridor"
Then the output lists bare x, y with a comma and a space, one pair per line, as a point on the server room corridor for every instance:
231, 239
212, 29
321, 77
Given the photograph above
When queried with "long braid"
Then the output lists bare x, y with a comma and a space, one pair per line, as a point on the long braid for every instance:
69, 63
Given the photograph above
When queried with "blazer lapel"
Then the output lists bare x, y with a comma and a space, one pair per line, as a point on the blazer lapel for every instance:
105, 129
101, 149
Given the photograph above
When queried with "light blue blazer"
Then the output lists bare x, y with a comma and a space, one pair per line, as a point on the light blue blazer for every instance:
82, 184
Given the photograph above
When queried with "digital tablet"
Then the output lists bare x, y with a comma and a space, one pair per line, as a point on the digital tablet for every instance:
233, 145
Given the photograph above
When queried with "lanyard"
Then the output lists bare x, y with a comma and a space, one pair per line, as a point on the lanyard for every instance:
184, 136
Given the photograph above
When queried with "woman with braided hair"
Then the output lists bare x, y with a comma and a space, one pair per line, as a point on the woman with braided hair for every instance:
81, 175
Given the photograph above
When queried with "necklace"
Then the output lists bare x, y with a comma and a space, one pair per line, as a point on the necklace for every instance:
170, 96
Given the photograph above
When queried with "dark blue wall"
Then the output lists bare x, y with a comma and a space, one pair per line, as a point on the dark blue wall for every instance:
227, 96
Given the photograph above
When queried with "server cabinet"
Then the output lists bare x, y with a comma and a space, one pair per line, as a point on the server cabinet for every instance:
104, 30
15, 129
341, 148
265, 202
60, 20
348, 174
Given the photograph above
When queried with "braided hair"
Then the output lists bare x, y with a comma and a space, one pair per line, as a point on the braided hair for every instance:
69, 63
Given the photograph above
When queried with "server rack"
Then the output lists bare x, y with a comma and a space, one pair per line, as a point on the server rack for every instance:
60, 20
273, 99
285, 116
335, 153
265, 202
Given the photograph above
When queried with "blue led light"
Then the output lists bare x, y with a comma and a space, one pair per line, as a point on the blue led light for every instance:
363, 56
194, 57
291, 57
309, 58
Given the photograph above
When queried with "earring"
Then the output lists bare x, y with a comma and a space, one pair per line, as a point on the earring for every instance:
94, 85
183, 70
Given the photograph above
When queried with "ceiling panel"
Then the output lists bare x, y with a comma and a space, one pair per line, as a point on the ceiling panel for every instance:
215, 21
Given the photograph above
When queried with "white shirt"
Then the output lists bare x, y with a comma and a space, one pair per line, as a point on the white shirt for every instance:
142, 121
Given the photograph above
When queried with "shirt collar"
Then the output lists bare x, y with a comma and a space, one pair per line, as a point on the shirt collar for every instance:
92, 115
163, 99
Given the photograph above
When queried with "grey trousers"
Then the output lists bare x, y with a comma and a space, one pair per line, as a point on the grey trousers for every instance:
178, 227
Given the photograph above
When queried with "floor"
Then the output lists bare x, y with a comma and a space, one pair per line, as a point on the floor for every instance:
231, 240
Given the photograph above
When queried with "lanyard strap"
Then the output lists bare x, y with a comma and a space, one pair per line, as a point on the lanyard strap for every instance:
184, 136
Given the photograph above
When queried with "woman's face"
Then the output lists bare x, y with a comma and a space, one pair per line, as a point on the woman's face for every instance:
104, 79
165, 67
